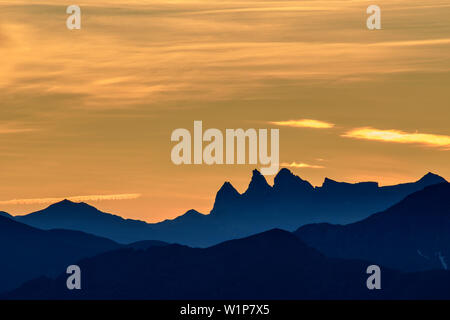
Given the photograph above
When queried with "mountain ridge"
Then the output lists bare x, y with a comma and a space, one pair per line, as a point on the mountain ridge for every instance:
412, 235
5, 214
288, 204
31, 252
271, 265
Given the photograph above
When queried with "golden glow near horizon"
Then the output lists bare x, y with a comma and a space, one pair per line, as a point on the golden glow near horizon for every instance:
304, 123
90, 111
73, 198
433, 140
301, 165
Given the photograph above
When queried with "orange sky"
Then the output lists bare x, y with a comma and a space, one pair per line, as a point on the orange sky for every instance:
88, 113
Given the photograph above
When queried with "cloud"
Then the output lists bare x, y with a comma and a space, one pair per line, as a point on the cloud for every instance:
116, 67
268, 8
412, 43
304, 123
14, 128
125, 196
301, 165
398, 136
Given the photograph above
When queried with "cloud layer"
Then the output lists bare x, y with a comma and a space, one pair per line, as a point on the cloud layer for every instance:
301, 165
398, 136
304, 123
125, 196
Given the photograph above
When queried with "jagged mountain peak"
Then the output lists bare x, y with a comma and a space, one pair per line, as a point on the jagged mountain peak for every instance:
226, 193
284, 172
258, 185
228, 189
226, 196
256, 174
260, 208
285, 180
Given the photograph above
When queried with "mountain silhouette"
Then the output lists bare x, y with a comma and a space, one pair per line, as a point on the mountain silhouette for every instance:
258, 187
272, 265
5, 214
288, 204
227, 197
27, 252
412, 235
145, 244
287, 183
83, 217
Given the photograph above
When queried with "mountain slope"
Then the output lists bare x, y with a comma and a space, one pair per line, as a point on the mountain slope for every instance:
261, 266
411, 235
145, 244
5, 214
27, 252
83, 217
271, 265
288, 204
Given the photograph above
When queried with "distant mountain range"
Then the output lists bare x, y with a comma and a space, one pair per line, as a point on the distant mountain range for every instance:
410, 241
288, 204
412, 235
27, 252
271, 265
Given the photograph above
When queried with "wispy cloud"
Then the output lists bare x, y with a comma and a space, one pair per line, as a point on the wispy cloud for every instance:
301, 165
117, 61
268, 8
305, 123
13, 128
412, 43
398, 136
124, 196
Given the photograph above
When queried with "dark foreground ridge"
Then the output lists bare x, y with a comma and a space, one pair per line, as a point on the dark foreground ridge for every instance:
412, 235
272, 265
27, 252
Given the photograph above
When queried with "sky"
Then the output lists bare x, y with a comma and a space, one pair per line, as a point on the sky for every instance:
88, 114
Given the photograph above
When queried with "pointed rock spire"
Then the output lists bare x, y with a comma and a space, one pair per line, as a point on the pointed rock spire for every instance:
226, 193
258, 185
226, 196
